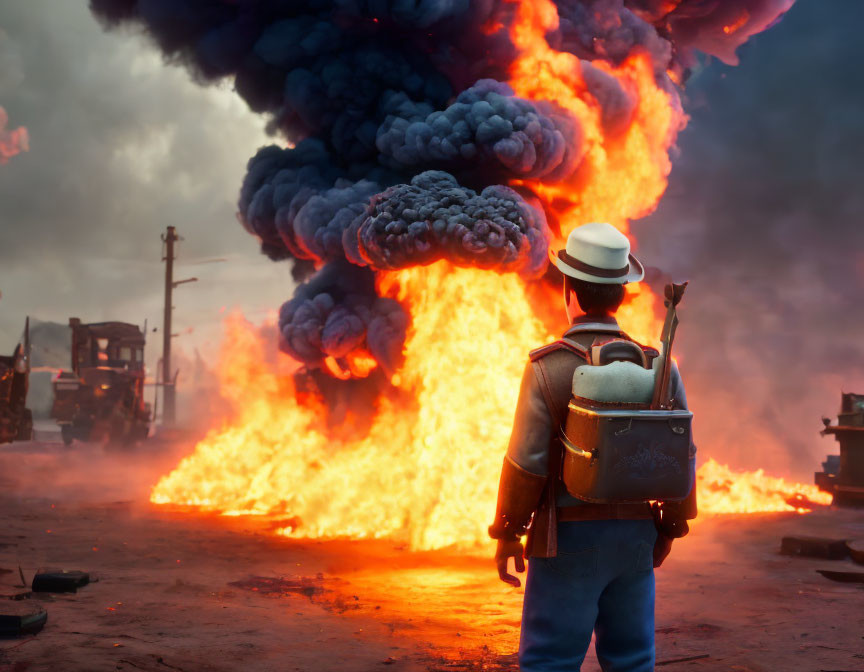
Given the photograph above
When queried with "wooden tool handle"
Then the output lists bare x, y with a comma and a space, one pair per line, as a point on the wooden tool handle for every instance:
675, 292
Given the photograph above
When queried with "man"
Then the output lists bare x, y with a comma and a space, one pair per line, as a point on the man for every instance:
590, 565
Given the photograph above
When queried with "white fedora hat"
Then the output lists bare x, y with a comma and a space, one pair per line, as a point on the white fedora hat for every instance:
600, 253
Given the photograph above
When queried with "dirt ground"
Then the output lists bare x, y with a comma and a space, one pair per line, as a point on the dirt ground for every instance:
195, 593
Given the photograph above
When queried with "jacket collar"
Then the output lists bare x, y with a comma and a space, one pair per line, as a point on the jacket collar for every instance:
595, 323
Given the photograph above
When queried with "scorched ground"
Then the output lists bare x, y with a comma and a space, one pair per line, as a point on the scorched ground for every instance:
202, 593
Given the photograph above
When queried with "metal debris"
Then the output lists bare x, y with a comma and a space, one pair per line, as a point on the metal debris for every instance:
701, 656
59, 581
842, 577
18, 619
856, 550
814, 547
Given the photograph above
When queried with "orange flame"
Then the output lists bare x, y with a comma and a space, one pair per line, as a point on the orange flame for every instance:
426, 471
424, 474
723, 490
621, 176
738, 23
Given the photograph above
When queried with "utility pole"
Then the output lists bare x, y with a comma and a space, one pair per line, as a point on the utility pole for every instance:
168, 396
169, 379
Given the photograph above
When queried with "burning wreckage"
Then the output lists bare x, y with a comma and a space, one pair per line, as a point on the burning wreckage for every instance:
16, 420
436, 150
102, 397
843, 474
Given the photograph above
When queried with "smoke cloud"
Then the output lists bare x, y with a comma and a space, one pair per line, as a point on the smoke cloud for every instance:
297, 201
713, 28
489, 129
336, 313
435, 218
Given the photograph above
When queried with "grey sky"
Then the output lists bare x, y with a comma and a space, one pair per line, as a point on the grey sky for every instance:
121, 145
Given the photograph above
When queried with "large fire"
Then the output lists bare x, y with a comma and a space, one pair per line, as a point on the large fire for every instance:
724, 490
426, 471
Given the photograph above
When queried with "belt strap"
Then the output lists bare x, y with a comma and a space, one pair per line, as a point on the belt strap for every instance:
617, 511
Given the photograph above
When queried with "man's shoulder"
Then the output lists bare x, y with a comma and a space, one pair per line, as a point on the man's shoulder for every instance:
553, 365
563, 346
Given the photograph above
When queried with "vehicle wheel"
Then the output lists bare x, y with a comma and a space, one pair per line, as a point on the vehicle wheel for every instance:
8, 428
140, 430
117, 435
25, 426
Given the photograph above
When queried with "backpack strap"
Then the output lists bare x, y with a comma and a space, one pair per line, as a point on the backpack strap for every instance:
543, 376
605, 351
541, 372
650, 353
562, 344
543, 534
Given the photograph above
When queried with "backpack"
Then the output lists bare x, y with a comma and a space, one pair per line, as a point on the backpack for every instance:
616, 448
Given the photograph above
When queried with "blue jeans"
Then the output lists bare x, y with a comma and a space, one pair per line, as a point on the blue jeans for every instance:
602, 580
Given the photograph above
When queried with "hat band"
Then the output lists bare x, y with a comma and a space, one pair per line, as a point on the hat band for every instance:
573, 262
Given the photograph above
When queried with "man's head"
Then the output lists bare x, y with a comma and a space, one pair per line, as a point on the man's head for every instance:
591, 297
596, 264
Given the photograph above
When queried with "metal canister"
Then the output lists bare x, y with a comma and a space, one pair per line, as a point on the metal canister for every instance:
620, 453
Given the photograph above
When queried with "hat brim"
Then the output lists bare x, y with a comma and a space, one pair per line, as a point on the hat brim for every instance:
635, 273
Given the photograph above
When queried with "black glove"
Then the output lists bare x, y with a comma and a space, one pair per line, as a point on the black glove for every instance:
669, 528
505, 551
667, 524
662, 548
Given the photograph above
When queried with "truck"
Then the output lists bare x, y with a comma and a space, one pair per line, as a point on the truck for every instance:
102, 397
16, 420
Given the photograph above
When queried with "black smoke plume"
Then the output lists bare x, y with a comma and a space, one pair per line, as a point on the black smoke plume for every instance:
378, 100
486, 129
337, 313
434, 217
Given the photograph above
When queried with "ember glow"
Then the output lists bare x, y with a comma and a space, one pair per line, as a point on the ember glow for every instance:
12, 140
